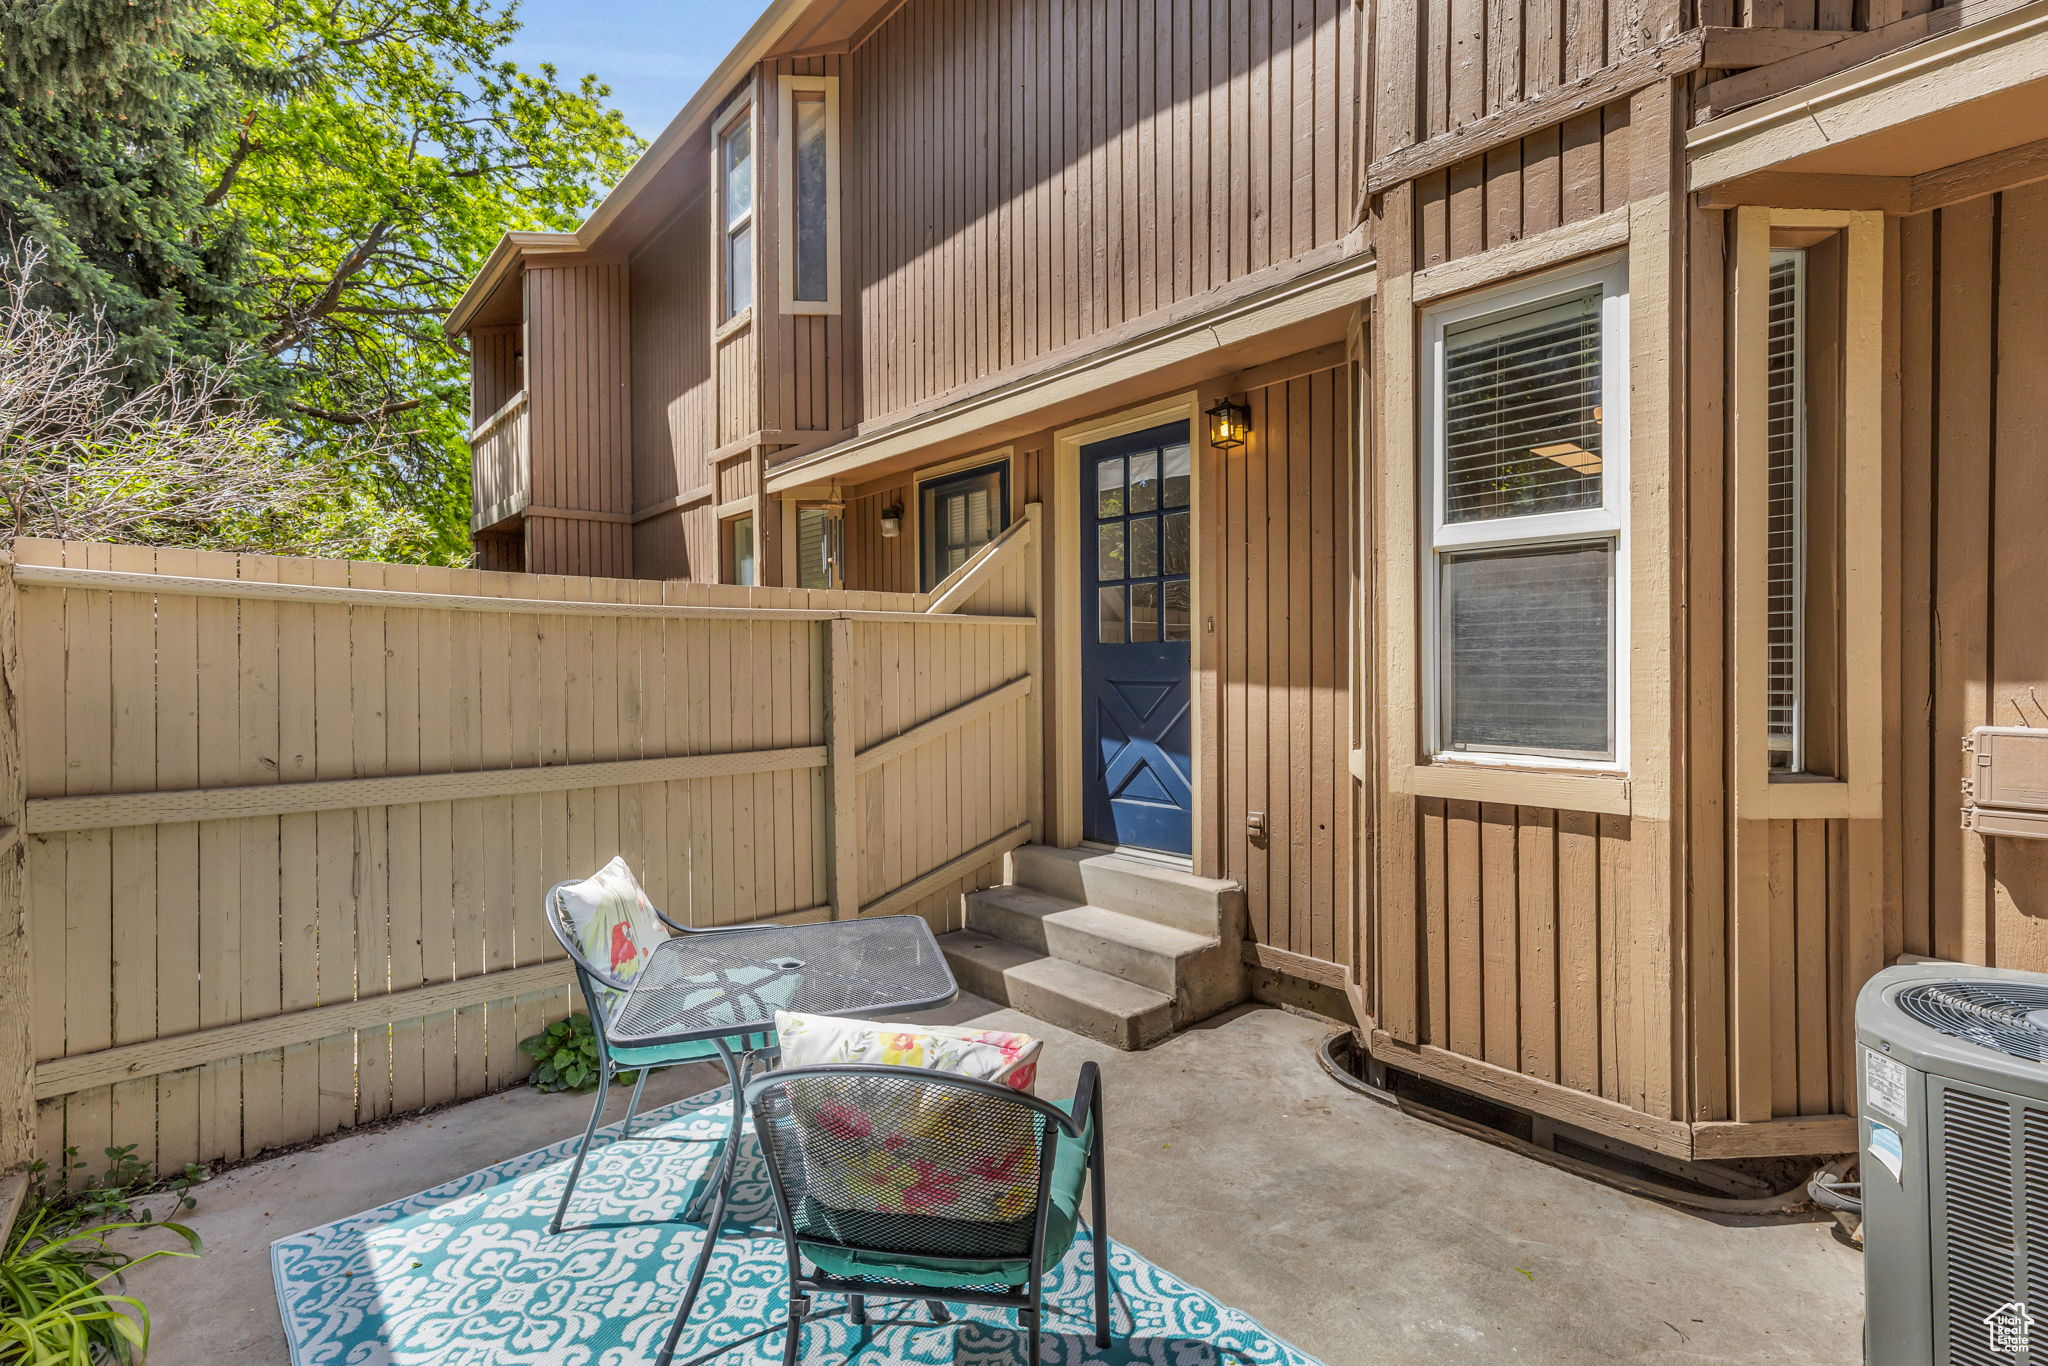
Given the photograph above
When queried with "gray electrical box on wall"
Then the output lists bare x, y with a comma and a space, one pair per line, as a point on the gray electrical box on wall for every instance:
2006, 792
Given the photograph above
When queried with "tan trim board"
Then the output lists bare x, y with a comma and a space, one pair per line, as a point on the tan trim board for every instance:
1538, 252
51, 815
1298, 965
920, 887
1673, 57
1795, 1136
688, 498
1335, 281
963, 583
499, 418
580, 515
995, 699
107, 580
511, 505
1911, 83
1608, 794
1887, 194
63, 1076
1849, 48
1668, 1136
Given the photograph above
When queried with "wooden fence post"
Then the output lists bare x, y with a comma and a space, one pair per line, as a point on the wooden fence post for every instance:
17, 1049
841, 739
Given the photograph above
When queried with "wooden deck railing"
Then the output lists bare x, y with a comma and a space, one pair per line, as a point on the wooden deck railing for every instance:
501, 466
274, 833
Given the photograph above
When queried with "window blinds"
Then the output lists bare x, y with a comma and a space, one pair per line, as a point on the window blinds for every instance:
1785, 524
1522, 411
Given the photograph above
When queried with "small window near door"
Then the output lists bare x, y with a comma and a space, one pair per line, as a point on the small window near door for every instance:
817, 548
958, 515
739, 551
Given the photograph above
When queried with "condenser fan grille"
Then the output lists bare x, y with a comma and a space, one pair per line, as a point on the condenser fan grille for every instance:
2011, 1017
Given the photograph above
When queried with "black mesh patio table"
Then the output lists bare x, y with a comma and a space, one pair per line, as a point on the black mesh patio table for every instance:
724, 985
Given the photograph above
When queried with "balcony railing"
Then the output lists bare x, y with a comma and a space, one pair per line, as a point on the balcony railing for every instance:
501, 483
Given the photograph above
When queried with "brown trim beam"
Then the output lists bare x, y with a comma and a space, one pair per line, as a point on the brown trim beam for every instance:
1516, 121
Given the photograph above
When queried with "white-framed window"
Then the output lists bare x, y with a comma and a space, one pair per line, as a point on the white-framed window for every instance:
736, 215
1786, 525
1524, 520
809, 211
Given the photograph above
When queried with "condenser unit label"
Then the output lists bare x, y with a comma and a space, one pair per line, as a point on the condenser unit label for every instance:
1887, 1149
1884, 1084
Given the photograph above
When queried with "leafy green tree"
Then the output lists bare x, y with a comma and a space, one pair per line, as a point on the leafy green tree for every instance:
297, 189
371, 183
106, 109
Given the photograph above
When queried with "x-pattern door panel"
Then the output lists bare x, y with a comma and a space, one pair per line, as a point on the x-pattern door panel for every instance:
1136, 626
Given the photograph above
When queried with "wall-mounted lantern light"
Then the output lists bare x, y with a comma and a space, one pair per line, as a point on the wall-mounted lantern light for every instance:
1229, 424
892, 519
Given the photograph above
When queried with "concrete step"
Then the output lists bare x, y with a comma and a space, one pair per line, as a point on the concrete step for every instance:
1150, 891
1195, 970
1089, 1003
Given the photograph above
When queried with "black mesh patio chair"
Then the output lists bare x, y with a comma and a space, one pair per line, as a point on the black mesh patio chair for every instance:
601, 993
907, 1183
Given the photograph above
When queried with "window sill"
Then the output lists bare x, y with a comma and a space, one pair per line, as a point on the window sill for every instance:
738, 322
1604, 793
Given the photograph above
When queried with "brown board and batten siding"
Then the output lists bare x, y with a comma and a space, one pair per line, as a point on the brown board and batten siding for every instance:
805, 365
1278, 596
579, 418
673, 406
1057, 170
1972, 288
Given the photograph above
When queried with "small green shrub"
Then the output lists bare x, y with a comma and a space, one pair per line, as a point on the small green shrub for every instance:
565, 1057
60, 1274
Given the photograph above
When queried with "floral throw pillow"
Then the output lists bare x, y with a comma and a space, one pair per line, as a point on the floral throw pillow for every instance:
883, 1147
613, 920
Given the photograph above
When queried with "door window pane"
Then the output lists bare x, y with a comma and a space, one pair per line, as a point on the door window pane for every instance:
1521, 414
1173, 557
1109, 625
1175, 487
1176, 611
1525, 649
1145, 482
1109, 552
1144, 548
1144, 611
1109, 488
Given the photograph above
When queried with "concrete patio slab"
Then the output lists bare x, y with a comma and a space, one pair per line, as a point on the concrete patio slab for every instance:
1356, 1232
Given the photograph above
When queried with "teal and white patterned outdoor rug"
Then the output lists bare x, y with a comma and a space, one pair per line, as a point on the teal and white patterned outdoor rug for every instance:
467, 1273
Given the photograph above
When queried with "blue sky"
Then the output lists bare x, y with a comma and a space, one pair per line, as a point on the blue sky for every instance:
653, 53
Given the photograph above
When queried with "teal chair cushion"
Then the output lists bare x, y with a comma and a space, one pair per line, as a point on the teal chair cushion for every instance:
1069, 1176
697, 1050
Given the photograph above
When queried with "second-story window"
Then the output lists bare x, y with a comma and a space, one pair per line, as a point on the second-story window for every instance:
736, 205
809, 154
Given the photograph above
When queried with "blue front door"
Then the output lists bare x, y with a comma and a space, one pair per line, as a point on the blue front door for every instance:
1135, 626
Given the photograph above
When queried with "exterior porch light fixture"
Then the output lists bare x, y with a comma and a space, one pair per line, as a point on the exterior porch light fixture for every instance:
1229, 424
892, 519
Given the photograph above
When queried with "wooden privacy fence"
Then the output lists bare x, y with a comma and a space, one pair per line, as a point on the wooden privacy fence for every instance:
276, 832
